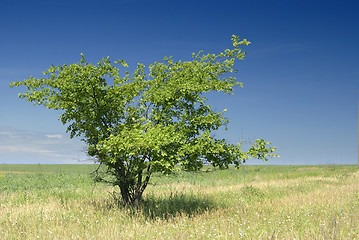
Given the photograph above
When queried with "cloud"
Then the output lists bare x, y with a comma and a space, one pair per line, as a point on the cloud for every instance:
8, 134
25, 149
57, 136
33, 147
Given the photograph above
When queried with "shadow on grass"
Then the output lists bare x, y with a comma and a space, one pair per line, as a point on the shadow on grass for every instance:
165, 207
175, 205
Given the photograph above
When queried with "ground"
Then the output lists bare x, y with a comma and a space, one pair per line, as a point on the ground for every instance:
253, 202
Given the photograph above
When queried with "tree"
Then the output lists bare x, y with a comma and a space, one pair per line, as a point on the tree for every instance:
141, 123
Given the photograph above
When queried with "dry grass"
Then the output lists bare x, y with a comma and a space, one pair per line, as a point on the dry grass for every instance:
215, 206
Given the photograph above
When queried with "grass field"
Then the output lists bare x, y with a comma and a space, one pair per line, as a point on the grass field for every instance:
257, 202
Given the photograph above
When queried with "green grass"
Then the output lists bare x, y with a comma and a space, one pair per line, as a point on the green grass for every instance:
253, 202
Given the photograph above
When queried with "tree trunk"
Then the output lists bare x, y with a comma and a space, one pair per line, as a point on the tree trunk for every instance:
138, 193
123, 184
129, 197
125, 194
132, 189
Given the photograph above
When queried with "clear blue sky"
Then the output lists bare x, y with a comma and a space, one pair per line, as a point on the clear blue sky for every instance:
301, 74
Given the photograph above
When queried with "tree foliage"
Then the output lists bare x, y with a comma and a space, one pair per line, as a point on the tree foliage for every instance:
148, 121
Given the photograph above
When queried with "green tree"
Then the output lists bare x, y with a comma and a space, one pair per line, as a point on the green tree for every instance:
145, 122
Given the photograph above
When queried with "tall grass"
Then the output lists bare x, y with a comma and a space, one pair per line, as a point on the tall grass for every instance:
274, 202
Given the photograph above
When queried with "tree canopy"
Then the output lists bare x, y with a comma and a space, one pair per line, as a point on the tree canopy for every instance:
149, 121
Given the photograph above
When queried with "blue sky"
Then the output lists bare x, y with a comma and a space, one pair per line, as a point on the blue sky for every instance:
301, 74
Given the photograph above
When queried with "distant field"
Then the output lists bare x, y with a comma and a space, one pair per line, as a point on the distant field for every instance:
257, 202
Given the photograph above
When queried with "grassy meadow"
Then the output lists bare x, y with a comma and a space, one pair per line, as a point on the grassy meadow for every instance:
253, 202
